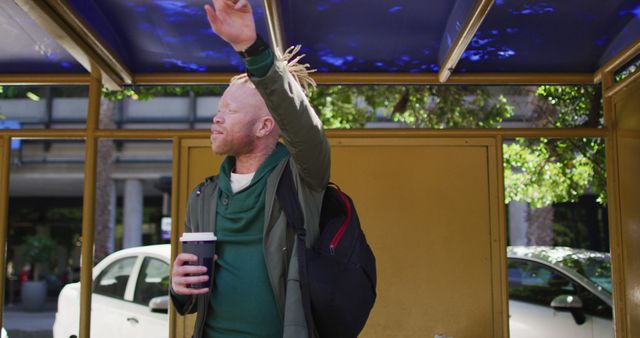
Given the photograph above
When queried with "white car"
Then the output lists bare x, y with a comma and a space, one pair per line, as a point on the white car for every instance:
130, 296
553, 292
559, 292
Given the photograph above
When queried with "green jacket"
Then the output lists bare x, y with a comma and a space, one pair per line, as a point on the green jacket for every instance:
310, 153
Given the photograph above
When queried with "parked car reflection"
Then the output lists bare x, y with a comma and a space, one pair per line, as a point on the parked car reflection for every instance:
559, 292
130, 296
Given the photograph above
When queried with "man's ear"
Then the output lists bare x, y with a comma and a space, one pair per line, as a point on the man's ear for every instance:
265, 126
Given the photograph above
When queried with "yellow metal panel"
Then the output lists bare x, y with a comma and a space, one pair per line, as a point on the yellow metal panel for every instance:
426, 211
196, 163
430, 209
626, 108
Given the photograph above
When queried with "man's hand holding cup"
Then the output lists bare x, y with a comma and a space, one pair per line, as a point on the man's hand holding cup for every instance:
192, 269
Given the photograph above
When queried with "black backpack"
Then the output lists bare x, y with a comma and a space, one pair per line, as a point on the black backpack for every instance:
337, 274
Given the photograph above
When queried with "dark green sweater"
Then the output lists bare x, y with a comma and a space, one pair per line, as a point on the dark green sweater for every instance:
242, 302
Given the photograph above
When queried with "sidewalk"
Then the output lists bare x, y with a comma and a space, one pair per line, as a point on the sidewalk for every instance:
20, 323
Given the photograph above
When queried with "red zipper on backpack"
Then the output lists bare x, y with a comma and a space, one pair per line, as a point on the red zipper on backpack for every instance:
338, 236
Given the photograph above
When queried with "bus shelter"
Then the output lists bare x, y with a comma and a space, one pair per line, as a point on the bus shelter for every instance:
455, 175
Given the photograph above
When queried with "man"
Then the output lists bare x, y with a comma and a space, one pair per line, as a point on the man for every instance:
254, 290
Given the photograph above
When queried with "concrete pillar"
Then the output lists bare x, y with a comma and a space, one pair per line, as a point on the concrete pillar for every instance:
518, 223
132, 214
111, 241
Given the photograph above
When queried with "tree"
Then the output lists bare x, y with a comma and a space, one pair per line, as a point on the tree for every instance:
545, 171
413, 106
104, 218
538, 171
105, 189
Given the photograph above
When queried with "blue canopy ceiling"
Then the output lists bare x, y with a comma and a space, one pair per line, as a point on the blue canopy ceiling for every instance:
551, 36
163, 35
338, 36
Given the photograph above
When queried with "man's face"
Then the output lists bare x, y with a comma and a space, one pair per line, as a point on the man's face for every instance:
233, 131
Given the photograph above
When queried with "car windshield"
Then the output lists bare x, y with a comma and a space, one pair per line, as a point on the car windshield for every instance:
595, 268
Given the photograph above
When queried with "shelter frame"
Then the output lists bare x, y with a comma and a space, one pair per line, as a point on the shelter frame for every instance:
102, 73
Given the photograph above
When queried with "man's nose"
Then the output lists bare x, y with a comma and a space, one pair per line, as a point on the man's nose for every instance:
217, 118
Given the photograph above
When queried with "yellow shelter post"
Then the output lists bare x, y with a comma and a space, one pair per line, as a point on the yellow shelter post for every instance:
5, 160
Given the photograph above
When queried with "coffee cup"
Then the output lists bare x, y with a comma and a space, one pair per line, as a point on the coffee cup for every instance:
203, 245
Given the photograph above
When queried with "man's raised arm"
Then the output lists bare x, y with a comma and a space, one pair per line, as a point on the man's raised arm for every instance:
283, 95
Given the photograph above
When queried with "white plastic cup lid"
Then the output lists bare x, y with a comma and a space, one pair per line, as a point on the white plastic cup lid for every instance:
197, 237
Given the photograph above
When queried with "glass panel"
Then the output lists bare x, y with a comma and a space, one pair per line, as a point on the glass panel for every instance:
441, 107
628, 69
535, 283
43, 247
133, 194
558, 236
133, 187
160, 107
43, 107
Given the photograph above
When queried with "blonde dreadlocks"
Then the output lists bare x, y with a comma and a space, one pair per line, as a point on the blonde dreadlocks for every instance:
300, 72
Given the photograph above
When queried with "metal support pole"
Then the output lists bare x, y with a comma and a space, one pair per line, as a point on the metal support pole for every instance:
88, 205
615, 227
274, 23
503, 234
5, 159
174, 223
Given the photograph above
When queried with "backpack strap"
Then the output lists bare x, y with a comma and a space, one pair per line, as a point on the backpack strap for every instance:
288, 197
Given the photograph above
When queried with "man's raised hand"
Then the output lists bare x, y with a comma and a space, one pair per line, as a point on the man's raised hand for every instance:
233, 21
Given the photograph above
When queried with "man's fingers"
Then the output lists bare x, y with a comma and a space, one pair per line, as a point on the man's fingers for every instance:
211, 14
241, 3
183, 258
221, 4
188, 280
190, 270
184, 275
183, 290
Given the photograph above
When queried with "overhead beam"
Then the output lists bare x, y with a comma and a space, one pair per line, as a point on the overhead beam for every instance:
158, 134
57, 19
619, 60
382, 78
182, 78
43, 79
274, 23
463, 38
614, 88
